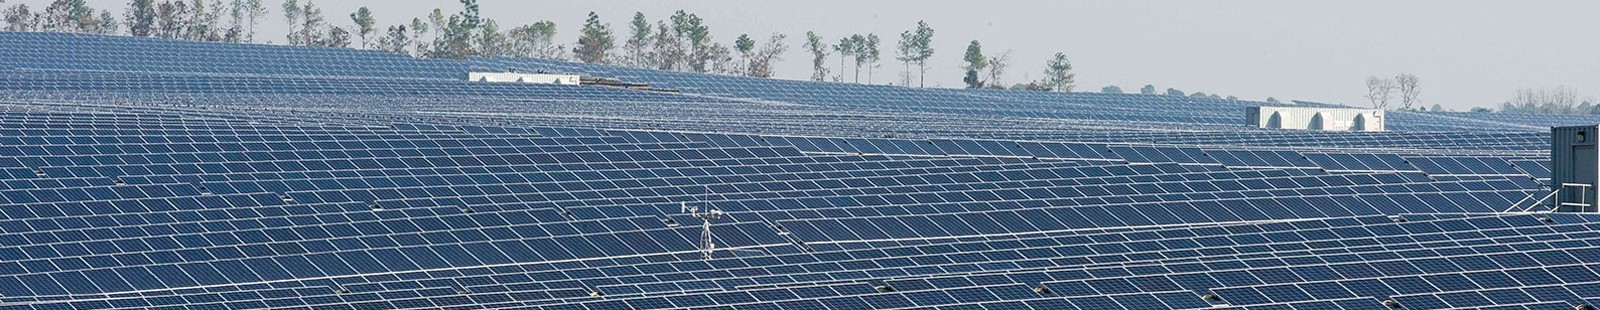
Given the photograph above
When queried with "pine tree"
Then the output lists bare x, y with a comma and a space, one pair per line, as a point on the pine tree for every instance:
695, 50
638, 45
975, 62
922, 51
291, 14
311, 21
595, 41
419, 29
141, 17
745, 46
108, 23
364, 21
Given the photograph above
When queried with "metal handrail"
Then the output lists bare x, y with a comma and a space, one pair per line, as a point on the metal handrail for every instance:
1583, 202
1518, 204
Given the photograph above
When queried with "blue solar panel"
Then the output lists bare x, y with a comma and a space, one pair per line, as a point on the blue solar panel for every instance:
146, 173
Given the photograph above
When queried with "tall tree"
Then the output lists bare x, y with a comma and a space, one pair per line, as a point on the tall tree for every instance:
819, 56
905, 52
1147, 89
1380, 91
253, 11
1408, 85
364, 21
668, 53
170, 19
594, 42
418, 29
454, 36
867, 52
438, 21
20, 18
536, 40
1113, 89
849, 47
1175, 92
1058, 75
108, 23
291, 15
698, 50
746, 48
492, 43
204, 20
141, 17
54, 17
68, 16
311, 23
637, 47
922, 51
236, 14
974, 62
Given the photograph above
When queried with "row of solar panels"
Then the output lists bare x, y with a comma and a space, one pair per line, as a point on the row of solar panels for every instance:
320, 178
456, 189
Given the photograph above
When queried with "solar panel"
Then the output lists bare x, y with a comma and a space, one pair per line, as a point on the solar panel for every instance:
147, 173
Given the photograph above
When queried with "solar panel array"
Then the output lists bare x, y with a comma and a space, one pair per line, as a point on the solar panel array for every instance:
143, 173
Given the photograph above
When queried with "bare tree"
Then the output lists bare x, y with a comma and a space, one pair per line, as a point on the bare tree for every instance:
1407, 85
763, 59
1559, 100
997, 69
1380, 91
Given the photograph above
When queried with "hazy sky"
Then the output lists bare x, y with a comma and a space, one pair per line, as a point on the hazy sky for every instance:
1467, 53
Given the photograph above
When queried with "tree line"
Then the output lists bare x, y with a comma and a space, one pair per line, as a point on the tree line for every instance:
1405, 89
679, 42
1176, 93
1556, 100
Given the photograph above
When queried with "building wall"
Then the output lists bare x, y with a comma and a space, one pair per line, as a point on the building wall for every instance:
1574, 160
1315, 118
506, 77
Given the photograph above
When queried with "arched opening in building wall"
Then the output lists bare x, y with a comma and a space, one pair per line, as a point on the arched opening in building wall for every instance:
1316, 122
1275, 121
1360, 123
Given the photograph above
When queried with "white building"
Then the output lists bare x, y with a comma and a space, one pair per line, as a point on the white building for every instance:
530, 78
1330, 119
